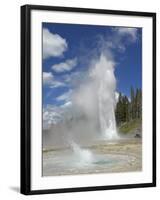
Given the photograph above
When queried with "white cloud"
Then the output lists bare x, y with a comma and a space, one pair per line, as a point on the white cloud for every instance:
49, 80
64, 97
53, 44
65, 66
130, 32
56, 84
120, 38
66, 105
74, 79
53, 114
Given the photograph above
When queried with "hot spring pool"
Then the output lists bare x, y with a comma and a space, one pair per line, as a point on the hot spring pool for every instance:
85, 161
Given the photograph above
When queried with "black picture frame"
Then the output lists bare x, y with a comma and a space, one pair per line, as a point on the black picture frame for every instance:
25, 182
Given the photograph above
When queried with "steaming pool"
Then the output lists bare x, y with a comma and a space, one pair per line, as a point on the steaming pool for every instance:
102, 158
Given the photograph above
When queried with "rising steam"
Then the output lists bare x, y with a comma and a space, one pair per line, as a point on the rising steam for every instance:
92, 109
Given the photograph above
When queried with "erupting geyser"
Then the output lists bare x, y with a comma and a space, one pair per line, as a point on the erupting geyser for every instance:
90, 116
103, 75
93, 120
81, 156
98, 93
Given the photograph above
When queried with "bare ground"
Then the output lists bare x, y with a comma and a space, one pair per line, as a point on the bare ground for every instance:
126, 152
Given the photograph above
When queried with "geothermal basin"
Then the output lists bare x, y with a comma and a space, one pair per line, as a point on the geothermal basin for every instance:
123, 155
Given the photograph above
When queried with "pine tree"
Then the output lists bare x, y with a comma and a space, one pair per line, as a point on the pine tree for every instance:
119, 109
139, 103
126, 102
132, 103
128, 110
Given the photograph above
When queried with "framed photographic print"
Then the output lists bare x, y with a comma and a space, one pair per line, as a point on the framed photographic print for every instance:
88, 99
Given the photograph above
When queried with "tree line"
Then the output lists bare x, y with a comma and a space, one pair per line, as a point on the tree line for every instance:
128, 109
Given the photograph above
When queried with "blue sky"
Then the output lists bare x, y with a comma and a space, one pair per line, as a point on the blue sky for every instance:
69, 50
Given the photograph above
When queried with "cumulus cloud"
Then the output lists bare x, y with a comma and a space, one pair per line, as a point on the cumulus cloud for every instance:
47, 78
118, 40
53, 44
122, 37
50, 81
66, 105
53, 114
75, 78
65, 96
130, 32
56, 84
65, 66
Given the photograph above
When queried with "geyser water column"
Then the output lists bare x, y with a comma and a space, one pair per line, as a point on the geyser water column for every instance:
81, 156
103, 75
